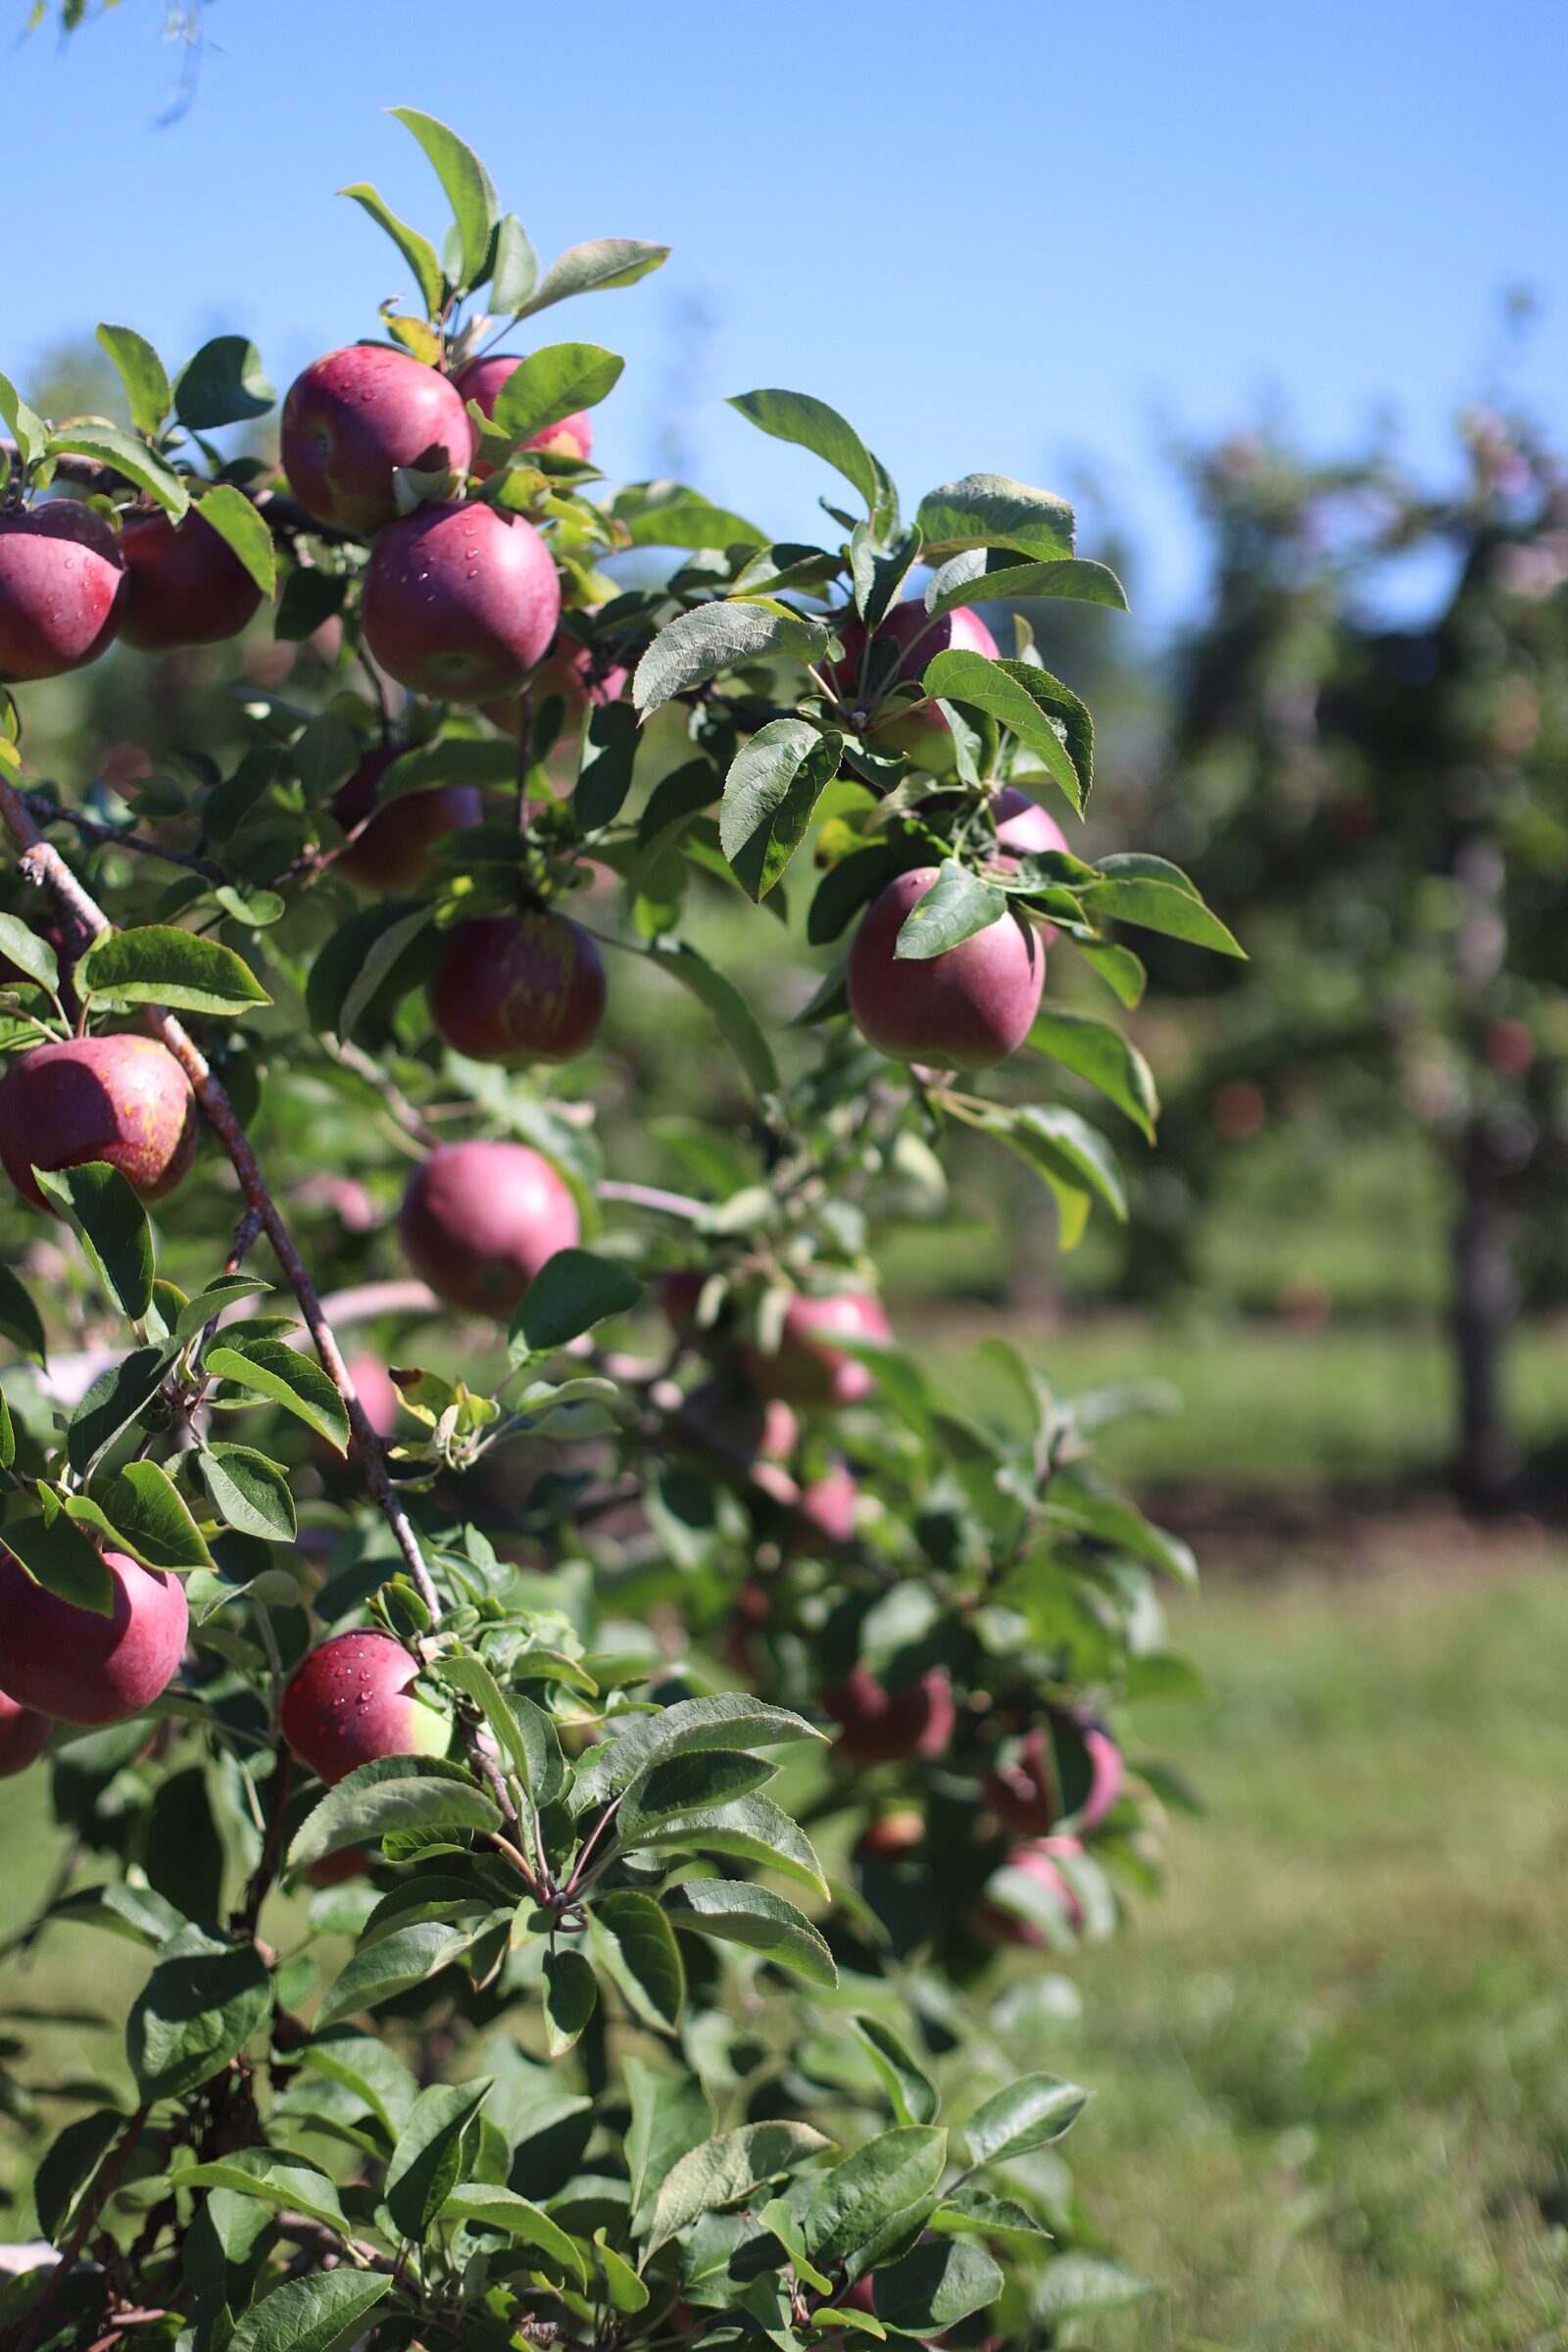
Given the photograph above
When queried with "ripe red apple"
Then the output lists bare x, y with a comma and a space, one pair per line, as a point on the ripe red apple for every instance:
1022, 825
1021, 1791
525, 986
923, 735
962, 1010
354, 418
377, 1392
878, 1726
479, 1219
1109, 1773
481, 381
82, 1668
805, 1368
124, 1099
583, 675
336, 1870
828, 1502
393, 852
61, 585
1041, 1861
890, 1836
460, 601
24, 1736
184, 584
350, 1702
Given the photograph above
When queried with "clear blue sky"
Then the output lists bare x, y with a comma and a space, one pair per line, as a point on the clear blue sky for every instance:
1010, 237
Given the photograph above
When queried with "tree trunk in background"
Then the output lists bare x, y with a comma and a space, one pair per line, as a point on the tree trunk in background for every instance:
1483, 1308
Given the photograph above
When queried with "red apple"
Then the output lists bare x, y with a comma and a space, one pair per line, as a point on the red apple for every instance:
481, 381
61, 585
1021, 1791
923, 735
350, 1702
393, 852
878, 1726
805, 1368
526, 987
82, 1668
479, 1219
353, 419
460, 601
583, 675
962, 1011
1041, 1861
890, 1836
24, 1736
377, 1392
1022, 825
124, 1099
336, 1870
184, 584
1108, 1771
828, 1502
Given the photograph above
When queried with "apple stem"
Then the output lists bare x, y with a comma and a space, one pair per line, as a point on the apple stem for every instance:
41, 864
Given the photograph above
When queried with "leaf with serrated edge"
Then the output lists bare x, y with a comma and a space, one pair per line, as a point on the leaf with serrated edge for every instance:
726, 2170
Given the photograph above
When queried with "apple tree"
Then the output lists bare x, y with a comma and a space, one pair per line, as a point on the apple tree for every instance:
592, 1769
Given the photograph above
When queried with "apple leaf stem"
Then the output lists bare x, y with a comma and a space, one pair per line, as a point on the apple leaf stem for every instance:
42, 864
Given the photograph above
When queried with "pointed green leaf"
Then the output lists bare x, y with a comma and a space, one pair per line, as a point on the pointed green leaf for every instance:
770, 795
142, 373
113, 1225
418, 251
319, 2312
236, 519
469, 189
593, 268
156, 964
112, 446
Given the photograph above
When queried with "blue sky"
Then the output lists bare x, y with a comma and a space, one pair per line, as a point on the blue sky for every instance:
1019, 238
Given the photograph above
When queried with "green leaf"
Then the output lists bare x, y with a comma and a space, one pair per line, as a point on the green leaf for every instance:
156, 964
880, 2181
979, 575
770, 795
1118, 967
779, 2217
385, 953
496, 2208
391, 1793
24, 426
151, 1519
249, 1492
418, 251
8, 1437
1103, 1058
626, 2291
112, 446
731, 1719
572, 1995
58, 1557
372, 2070
21, 944
670, 2115
727, 2169
234, 519
753, 1916
390, 1966
972, 2212
113, 1224
1068, 1155
143, 374
571, 1292
934, 2287
525, 1732
636, 1945
720, 636
1028, 701
593, 268
811, 424
113, 1402
750, 1828
222, 383
284, 2183
319, 2312
988, 510
667, 514
475, 205
19, 1318
271, 1368
1156, 896
608, 751
956, 907
1079, 2283
425, 2163
205, 1999
684, 1784
551, 384
514, 266
209, 1302
908, 2087
1028, 2114
713, 989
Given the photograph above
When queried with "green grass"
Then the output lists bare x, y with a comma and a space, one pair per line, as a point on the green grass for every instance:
1333, 2062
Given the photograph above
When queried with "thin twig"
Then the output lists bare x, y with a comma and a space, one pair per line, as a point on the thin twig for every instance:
373, 1299
92, 828
42, 864
108, 2181
649, 1196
